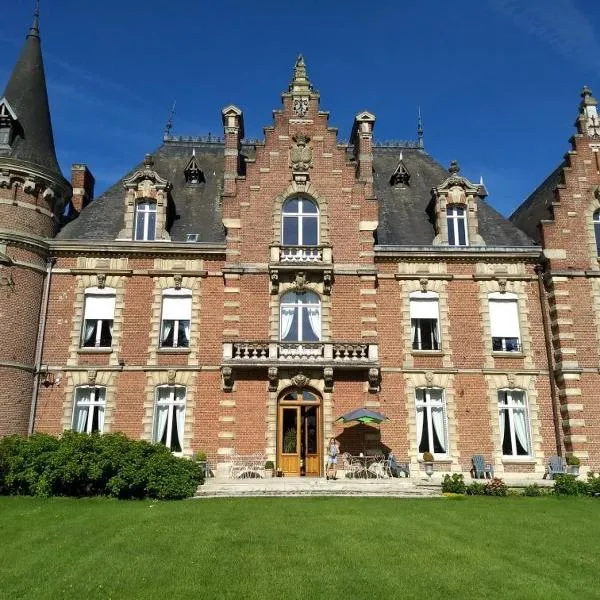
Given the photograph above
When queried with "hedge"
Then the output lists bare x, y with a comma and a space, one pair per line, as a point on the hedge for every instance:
78, 464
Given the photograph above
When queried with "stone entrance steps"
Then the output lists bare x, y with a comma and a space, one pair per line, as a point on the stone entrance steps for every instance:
316, 486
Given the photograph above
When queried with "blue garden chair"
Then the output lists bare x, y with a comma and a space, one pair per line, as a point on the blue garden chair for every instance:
481, 469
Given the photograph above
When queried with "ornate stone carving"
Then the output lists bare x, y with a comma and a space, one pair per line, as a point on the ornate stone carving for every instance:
511, 380
300, 105
227, 377
171, 375
146, 173
91, 376
4, 179
429, 378
101, 278
300, 281
29, 186
48, 194
596, 192
424, 282
374, 379
177, 279
502, 285
301, 154
328, 379
327, 282
273, 375
274, 282
300, 380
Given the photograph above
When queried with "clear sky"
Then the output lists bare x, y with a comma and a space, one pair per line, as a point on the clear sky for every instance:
498, 81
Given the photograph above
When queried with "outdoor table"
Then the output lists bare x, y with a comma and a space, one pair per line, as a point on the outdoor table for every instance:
366, 462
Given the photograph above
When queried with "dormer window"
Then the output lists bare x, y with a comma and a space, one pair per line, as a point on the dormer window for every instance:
401, 176
457, 226
193, 173
145, 221
7, 124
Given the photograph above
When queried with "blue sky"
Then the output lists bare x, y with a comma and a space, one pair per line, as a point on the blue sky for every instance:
498, 81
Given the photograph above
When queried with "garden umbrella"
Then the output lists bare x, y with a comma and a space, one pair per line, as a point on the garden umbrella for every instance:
362, 415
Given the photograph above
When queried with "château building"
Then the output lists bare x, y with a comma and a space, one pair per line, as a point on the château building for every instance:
235, 297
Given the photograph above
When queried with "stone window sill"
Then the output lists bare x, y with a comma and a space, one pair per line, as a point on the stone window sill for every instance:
526, 460
95, 350
427, 353
174, 350
508, 355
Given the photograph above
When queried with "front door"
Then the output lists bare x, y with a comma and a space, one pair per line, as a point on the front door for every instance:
299, 434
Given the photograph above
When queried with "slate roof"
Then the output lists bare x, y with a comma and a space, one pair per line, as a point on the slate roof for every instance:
196, 207
27, 94
405, 215
538, 206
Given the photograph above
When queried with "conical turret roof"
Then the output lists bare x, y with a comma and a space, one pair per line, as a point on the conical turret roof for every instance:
27, 94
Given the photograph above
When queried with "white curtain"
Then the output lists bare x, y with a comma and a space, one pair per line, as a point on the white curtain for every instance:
186, 329
81, 418
520, 424
503, 414
314, 317
100, 410
161, 422
437, 417
413, 333
180, 416
287, 318
167, 328
420, 415
88, 331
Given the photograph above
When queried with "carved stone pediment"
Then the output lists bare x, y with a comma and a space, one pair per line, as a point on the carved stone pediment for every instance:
456, 188
147, 173
301, 154
300, 380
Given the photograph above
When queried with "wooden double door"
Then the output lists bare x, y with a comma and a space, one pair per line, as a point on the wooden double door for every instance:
299, 441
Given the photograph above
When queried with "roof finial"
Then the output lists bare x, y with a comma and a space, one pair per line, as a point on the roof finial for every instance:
454, 168
34, 31
300, 82
169, 124
420, 129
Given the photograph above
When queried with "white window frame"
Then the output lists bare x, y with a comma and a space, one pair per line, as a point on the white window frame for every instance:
143, 209
596, 220
299, 306
94, 292
184, 294
172, 403
429, 298
511, 407
96, 401
300, 215
504, 328
426, 405
453, 219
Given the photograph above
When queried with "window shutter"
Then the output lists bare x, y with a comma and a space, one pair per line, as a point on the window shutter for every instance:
100, 307
424, 309
504, 317
177, 307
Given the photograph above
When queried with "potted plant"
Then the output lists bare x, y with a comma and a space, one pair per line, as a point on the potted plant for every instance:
573, 463
428, 464
269, 468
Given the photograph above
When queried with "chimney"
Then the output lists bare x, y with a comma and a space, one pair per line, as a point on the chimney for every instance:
233, 125
83, 187
362, 139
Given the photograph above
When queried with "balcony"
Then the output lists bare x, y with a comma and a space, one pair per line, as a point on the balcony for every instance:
301, 255
338, 354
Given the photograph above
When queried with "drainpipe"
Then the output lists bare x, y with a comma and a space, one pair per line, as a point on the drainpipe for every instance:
39, 346
539, 269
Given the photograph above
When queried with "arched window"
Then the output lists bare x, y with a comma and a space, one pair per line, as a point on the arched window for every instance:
145, 220
597, 230
176, 317
432, 428
300, 223
169, 416
424, 321
300, 317
88, 409
514, 423
98, 318
457, 225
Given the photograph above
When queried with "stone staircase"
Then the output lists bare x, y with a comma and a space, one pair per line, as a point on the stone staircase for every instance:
317, 486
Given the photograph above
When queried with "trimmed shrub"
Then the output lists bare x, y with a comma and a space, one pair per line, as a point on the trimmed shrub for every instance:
427, 457
454, 484
476, 489
573, 461
496, 487
569, 485
593, 484
78, 464
269, 465
533, 490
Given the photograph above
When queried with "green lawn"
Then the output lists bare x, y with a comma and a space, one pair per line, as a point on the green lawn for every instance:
288, 548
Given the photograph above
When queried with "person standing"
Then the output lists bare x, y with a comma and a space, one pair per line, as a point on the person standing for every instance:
333, 450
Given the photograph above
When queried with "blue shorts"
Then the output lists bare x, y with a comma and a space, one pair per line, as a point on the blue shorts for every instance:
332, 460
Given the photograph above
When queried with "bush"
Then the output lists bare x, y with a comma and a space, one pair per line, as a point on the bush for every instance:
269, 465
573, 461
78, 464
569, 485
533, 490
427, 457
593, 484
496, 487
454, 484
476, 489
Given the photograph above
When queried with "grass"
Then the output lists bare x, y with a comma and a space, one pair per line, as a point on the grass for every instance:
287, 548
